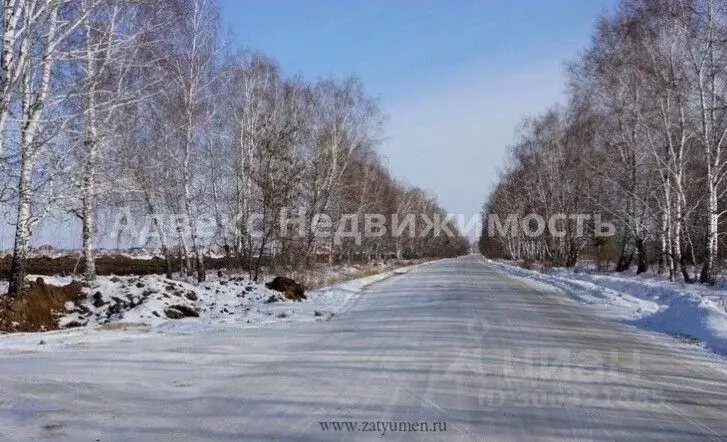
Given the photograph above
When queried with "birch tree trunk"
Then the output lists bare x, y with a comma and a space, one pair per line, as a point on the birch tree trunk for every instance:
11, 64
712, 141
91, 151
34, 96
23, 227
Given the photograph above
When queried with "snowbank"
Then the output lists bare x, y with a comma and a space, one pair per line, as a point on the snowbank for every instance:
689, 311
153, 300
141, 306
321, 305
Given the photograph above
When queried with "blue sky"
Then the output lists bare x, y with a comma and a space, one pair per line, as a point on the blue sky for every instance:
455, 77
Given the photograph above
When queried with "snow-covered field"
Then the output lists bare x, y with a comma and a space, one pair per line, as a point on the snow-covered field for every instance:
691, 312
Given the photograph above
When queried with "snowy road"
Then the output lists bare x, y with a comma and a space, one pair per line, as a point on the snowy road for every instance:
455, 342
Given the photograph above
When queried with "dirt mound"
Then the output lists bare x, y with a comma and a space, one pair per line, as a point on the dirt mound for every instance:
38, 308
289, 288
181, 311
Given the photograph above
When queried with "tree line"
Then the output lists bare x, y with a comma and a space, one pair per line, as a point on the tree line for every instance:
639, 141
141, 106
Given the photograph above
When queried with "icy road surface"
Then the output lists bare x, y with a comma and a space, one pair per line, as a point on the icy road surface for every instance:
455, 341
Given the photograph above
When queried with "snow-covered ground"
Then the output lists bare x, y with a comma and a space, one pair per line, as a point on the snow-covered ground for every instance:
130, 308
453, 342
321, 305
691, 312
153, 300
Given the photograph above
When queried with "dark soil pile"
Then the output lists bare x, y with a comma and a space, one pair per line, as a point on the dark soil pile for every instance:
290, 289
38, 308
